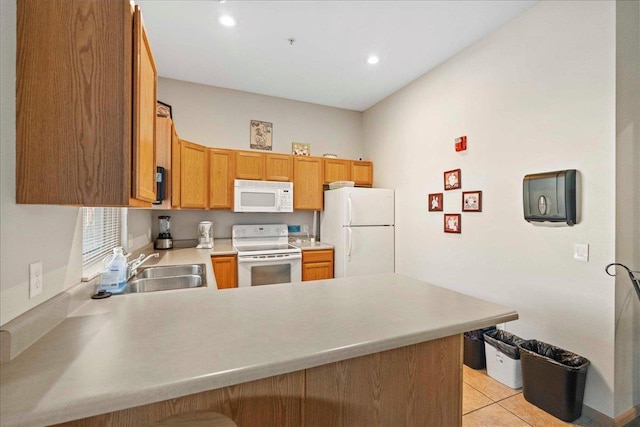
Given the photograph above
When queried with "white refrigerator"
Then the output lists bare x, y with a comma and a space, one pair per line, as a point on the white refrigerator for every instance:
359, 223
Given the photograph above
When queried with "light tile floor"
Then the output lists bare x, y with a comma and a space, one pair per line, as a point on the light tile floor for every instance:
487, 402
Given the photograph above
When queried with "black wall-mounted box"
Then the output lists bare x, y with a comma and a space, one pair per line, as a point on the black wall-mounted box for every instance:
550, 197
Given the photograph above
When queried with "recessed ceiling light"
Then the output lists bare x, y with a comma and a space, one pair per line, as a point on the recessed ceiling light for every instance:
373, 59
227, 21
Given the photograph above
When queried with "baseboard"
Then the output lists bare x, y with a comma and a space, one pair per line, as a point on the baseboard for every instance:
628, 416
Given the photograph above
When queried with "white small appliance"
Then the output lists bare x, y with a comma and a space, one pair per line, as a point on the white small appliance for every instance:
265, 256
205, 235
262, 196
359, 223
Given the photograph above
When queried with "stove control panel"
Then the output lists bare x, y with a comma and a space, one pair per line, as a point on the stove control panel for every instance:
262, 230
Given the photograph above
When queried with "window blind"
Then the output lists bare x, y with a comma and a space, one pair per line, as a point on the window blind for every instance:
100, 234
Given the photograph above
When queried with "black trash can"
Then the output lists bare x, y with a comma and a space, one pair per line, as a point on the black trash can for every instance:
474, 355
553, 379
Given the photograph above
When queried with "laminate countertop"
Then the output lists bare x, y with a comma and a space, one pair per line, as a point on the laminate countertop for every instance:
136, 349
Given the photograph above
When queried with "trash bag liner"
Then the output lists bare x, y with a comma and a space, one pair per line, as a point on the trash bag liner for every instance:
568, 360
477, 335
505, 342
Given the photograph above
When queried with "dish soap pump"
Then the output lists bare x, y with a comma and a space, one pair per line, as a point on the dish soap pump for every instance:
114, 276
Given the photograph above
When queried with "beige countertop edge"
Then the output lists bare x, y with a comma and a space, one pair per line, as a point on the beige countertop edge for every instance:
49, 406
308, 246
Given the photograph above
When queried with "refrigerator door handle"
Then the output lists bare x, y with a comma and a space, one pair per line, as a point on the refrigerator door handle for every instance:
350, 244
349, 207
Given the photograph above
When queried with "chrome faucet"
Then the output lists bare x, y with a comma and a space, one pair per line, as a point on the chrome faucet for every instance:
132, 266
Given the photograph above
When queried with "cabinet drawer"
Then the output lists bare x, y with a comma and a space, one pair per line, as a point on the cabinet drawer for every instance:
317, 255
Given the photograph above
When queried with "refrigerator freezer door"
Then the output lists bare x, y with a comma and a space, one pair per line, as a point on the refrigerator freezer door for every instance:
369, 206
367, 250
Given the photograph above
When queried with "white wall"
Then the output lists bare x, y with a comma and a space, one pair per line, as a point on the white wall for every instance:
218, 117
537, 95
627, 325
28, 233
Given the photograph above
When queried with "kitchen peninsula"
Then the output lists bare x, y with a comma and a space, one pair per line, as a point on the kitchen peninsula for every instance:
365, 351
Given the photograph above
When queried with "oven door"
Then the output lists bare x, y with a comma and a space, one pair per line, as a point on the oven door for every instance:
269, 269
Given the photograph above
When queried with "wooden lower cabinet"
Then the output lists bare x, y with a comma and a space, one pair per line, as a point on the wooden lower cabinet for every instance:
225, 268
317, 264
414, 386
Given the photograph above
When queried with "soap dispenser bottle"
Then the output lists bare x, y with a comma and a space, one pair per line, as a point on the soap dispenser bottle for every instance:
114, 276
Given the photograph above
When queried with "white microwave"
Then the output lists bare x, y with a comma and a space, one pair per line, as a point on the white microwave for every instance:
262, 196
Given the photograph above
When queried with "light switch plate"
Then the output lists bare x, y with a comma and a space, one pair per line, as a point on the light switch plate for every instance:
581, 252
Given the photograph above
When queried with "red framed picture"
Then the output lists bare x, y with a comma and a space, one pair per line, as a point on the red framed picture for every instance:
452, 223
452, 179
435, 202
472, 201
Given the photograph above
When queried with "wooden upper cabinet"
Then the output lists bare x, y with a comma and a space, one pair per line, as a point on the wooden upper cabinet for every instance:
164, 135
278, 167
307, 183
176, 168
221, 175
337, 170
75, 107
249, 165
263, 166
194, 175
145, 89
362, 173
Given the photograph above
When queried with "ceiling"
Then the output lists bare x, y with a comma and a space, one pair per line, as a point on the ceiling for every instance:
326, 64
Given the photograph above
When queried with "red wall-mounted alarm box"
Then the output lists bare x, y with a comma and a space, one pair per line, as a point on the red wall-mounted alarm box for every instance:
461, 143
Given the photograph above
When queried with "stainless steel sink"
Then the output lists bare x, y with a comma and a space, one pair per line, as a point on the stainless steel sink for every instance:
171, 271
167, 277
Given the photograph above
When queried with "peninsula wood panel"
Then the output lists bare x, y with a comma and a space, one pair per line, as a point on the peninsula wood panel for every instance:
414, 386
270, 402
417, 385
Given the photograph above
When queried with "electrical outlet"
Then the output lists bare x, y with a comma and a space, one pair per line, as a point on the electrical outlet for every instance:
129, 242
35, 279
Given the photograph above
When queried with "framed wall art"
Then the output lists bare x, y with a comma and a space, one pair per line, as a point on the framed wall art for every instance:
452, 179
300, 149
261, 135
452, 223
472, 201
435, 202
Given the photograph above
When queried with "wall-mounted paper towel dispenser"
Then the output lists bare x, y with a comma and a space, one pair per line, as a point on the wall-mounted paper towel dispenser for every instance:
550, 197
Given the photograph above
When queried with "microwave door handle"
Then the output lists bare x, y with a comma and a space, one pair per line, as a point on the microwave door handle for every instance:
278, 197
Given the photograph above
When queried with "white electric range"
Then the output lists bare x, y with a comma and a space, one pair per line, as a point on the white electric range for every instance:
265, 256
